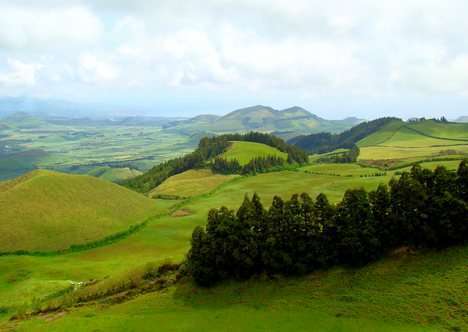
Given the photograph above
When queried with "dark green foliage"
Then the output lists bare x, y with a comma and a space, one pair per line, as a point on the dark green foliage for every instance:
256, 165
209, 148
423, 208
462, 181
326, 142
357, 237
349, 156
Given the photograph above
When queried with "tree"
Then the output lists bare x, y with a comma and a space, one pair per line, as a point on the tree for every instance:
462, 180
357, 240
200, 259
385, 226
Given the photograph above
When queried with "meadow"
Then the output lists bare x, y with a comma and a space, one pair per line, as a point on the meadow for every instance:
244, 152
46, 211
379, 298
419, 140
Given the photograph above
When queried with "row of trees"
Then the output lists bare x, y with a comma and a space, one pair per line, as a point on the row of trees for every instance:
422, 208
256, 165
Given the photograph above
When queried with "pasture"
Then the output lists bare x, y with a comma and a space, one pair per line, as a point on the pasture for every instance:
244, 152
384, 296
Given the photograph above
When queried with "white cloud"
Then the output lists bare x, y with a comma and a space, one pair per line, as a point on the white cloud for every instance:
19, 74
361, 47
94, 70
42, 28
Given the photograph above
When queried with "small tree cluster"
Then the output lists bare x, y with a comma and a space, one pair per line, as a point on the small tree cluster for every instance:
256, 165
422, 208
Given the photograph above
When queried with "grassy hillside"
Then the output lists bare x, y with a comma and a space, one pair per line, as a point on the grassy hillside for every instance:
324, 142
416, 292
114, 174
422, 292
49, 211
424, 139
190, 183
244, 152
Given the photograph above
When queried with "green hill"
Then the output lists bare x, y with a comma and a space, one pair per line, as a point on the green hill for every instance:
265, 119
421, 139
327, 142
244, 152
43, 211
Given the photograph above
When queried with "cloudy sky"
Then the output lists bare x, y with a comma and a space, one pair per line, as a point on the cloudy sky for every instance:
364, 58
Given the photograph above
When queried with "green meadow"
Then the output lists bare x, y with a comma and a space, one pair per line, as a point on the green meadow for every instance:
46, 212
244, 152
424, 139
385, 296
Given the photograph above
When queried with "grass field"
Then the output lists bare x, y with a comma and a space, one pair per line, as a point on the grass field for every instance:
424, 139
190, 183
50, 211
113, 174
422, 292
244, 152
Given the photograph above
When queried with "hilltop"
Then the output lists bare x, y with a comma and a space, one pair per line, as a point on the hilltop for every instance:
264, 118
43, 211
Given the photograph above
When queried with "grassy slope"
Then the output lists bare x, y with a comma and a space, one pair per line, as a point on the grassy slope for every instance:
377, 298
113, 174
49, 211
422, 292
414, 140
190, 183
246, 151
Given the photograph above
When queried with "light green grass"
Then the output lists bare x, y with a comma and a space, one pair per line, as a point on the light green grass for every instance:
190, 183
114, 174
50, 211
425, 139
422, 292
408, 295
244, 152
340, 169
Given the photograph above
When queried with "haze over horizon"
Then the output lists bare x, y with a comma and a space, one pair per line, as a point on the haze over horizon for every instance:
171, 58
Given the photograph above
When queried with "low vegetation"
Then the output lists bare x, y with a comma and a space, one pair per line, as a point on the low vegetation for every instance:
47, 211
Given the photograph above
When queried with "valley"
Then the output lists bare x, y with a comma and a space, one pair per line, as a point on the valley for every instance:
62, 213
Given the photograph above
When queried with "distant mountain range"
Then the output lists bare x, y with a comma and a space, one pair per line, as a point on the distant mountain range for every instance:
288, 122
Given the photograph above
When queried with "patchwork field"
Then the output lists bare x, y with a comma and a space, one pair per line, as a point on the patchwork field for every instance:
412, 292
70, 147
244, 152
50, 211
425, 139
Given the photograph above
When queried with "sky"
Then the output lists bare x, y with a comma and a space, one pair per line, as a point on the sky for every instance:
364, 58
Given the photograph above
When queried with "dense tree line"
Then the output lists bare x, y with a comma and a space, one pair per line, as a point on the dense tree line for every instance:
326, 142
422, 208
209, 148
256, 165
